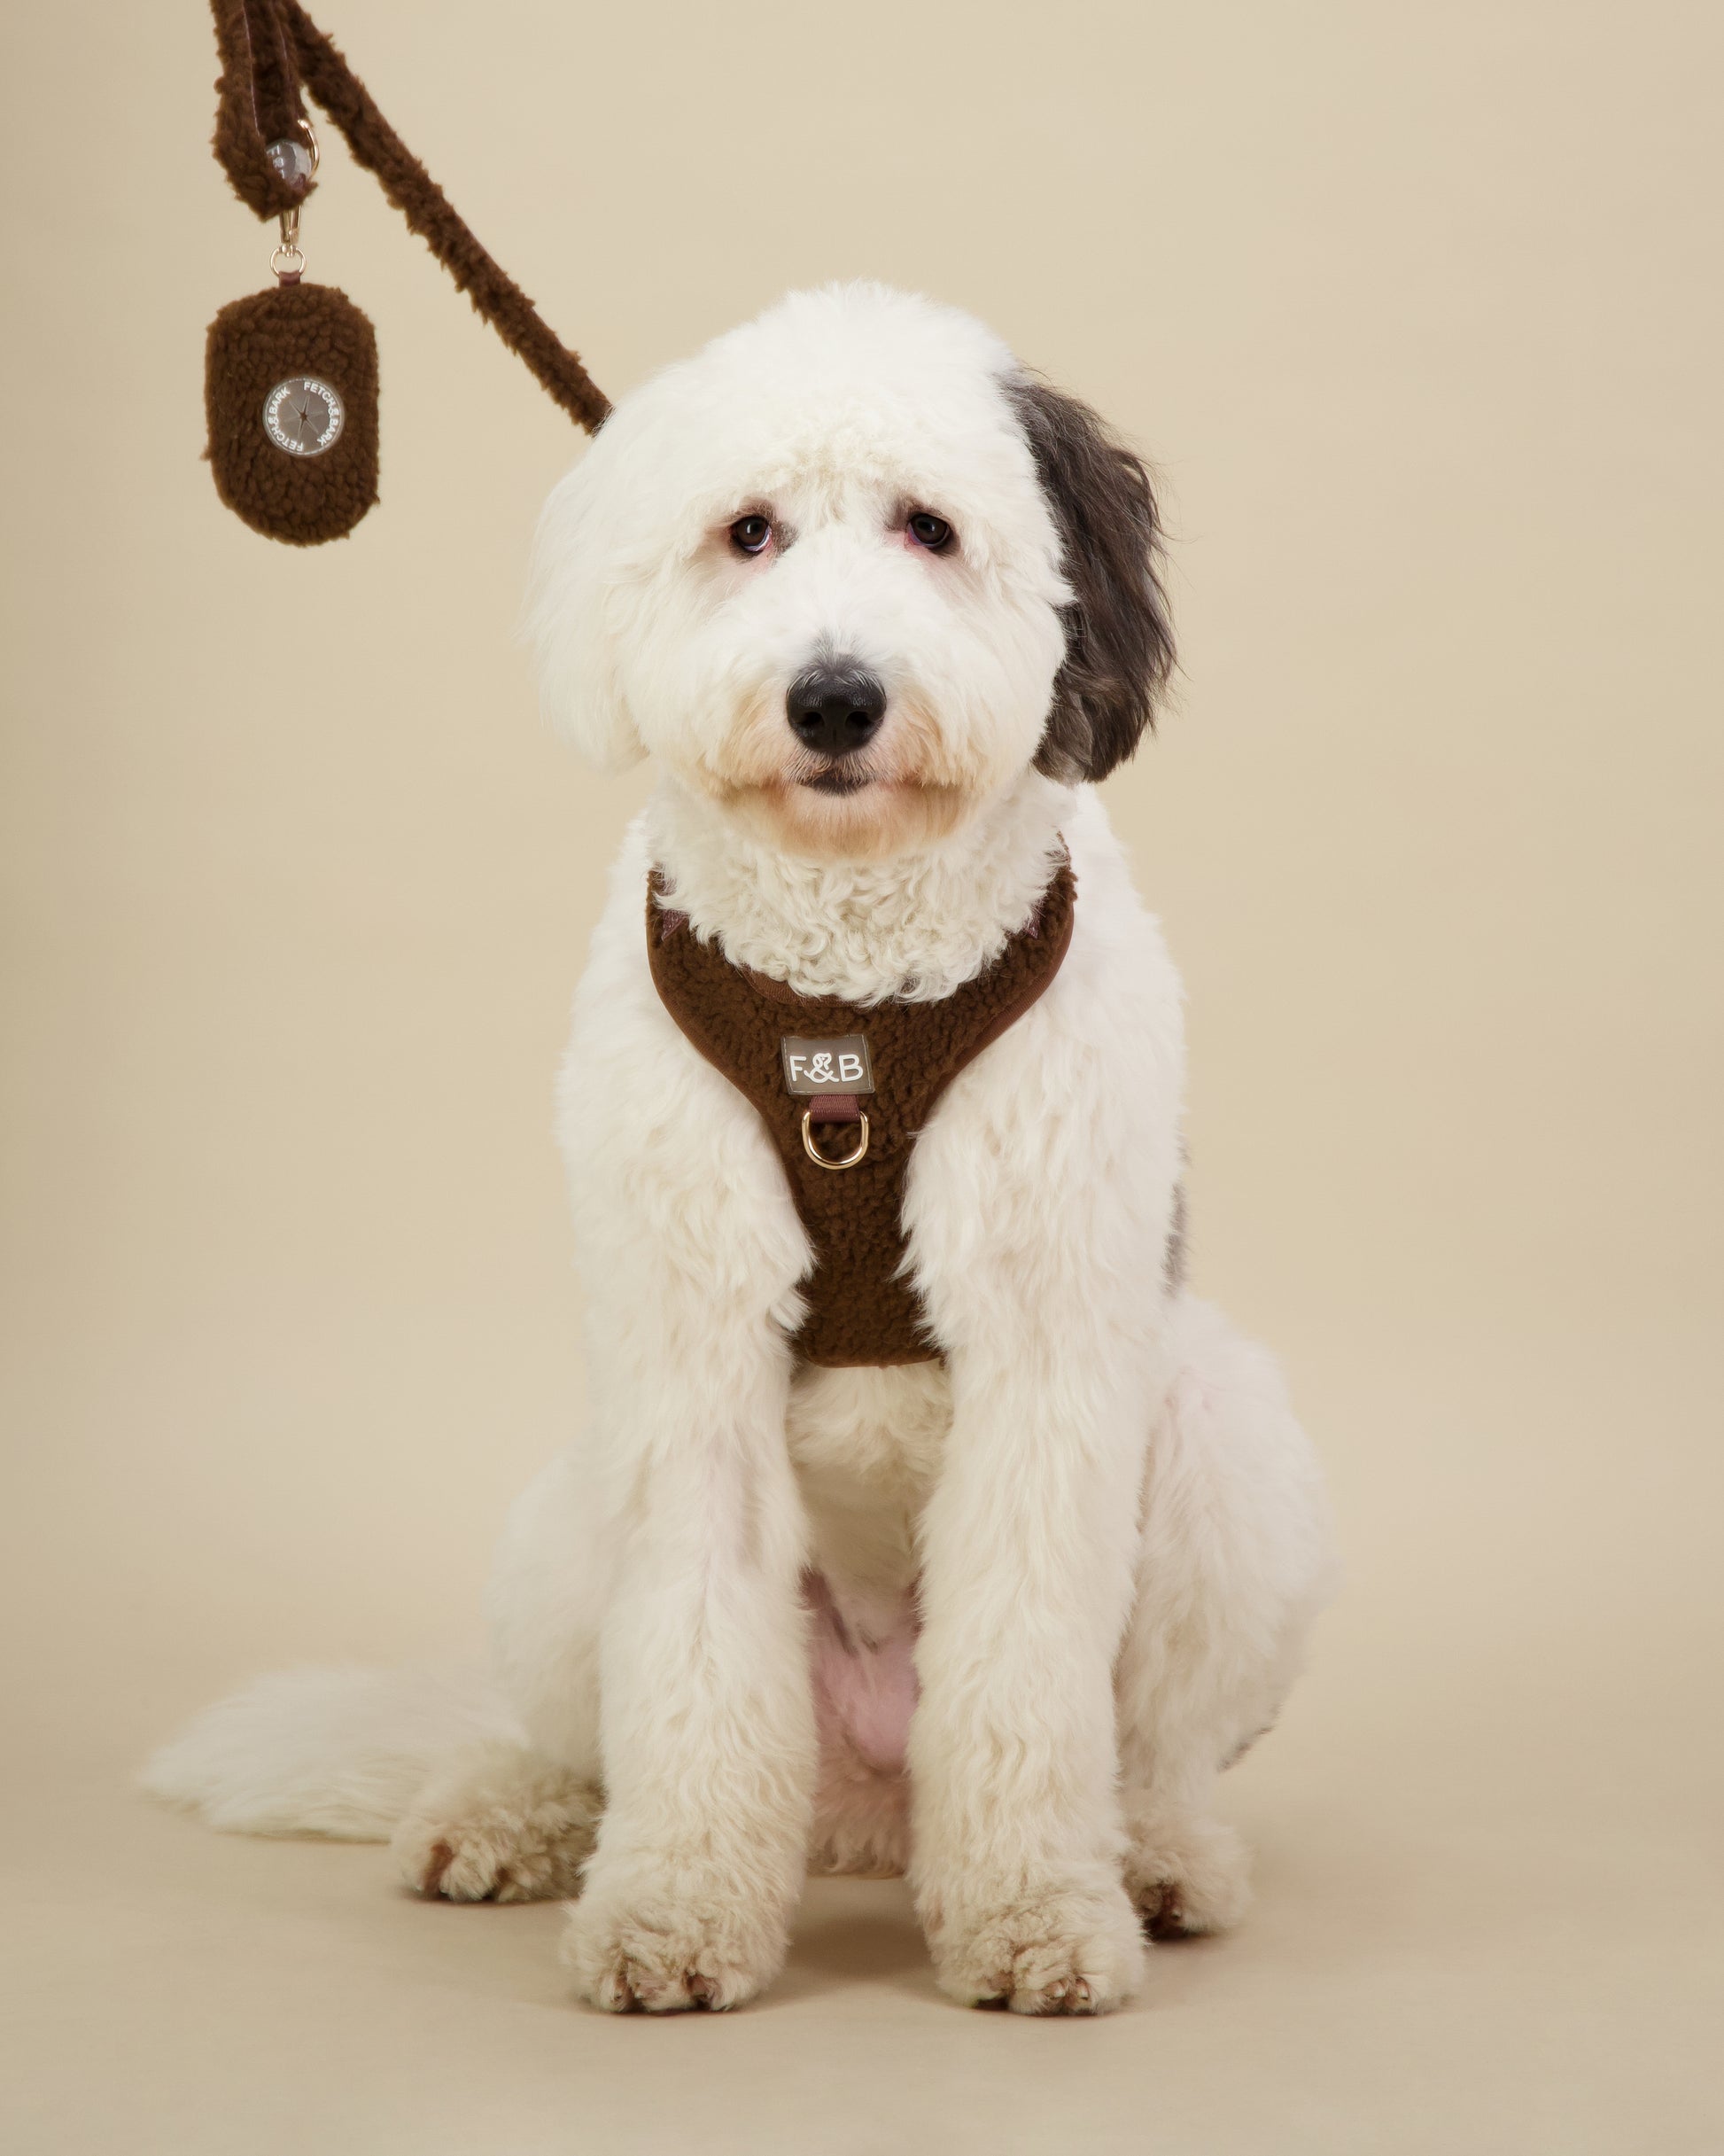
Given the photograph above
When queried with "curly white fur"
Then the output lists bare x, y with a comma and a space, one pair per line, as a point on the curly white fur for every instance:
1109, 1523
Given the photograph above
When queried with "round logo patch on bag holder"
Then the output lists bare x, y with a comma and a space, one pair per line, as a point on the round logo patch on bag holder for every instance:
303, 415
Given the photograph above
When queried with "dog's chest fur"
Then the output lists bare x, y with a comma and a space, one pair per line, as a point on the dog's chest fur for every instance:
862, 931
867, 1446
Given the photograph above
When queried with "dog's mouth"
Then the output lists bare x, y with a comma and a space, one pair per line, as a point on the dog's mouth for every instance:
855, 806
838, 779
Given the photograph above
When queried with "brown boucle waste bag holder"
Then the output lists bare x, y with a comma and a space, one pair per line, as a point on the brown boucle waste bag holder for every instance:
290, 372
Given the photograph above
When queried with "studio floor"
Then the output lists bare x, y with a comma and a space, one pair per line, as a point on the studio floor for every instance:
1484, 1938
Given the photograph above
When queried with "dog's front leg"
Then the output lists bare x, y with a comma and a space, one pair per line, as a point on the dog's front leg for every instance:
1025, 1585
706, 1720
1045, 1287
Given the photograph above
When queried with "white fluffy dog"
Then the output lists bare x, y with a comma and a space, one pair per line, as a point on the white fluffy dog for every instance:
881, 605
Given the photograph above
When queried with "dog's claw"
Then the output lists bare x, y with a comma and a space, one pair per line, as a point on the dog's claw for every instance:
438, 1857
1164, 1917
669, 1954
1070, 1994
1061, 1951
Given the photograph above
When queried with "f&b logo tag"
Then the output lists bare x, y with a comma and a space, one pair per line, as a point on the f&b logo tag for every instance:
828, 1066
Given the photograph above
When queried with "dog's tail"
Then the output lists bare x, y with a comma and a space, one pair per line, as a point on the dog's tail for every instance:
335, 1752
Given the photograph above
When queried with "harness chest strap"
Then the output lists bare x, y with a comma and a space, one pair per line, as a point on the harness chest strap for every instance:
843, 1089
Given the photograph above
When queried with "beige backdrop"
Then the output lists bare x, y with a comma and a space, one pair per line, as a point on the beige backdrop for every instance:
1417, 309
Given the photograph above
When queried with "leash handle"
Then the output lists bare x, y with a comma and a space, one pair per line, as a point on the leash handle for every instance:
272, 53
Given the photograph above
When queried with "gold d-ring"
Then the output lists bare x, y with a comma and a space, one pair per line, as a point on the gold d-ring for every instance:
814, 1152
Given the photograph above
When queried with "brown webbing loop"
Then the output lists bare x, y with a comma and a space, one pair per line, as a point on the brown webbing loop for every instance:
269, 49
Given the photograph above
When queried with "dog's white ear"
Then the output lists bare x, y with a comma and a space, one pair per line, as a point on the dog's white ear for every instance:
566, 621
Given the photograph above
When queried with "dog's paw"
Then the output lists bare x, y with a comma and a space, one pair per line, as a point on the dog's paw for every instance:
670, 1939
1187, 1876
1060, 1951
499, 1824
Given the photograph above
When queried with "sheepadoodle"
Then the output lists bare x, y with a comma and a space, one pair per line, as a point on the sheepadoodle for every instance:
923, 1521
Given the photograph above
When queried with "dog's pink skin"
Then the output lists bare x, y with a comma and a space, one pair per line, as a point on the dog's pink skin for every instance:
863, 1670
865, 1677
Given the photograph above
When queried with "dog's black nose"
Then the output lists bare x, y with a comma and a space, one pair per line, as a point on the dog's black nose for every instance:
835, 707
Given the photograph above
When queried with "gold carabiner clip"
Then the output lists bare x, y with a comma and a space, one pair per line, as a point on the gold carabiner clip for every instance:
288, 260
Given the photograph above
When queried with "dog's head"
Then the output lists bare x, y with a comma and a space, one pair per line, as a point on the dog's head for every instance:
849, 571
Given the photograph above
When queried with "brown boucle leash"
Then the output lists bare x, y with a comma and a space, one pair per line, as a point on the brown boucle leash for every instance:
843, 1090
291, 374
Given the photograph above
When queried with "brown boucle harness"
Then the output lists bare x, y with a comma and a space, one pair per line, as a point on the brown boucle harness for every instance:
829, 1076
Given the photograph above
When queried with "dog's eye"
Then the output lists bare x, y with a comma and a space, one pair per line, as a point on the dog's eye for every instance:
934, 533
750, 534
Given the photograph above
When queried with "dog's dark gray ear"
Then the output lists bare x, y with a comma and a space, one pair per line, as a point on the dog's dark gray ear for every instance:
1119, 642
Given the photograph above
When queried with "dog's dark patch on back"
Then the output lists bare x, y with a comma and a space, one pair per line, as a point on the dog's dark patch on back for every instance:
1246, 1743
1175, 1262
1119, 641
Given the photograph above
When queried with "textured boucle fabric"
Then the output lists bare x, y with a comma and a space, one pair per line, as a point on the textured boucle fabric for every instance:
860, 1310
254, 344
271, 53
